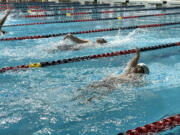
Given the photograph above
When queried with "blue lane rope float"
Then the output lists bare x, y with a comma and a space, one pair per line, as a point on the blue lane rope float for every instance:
49, 5
76, 9
155, 127
97, 19
45, 6
99, 12
38, 3
89, 31
38, 8
88, 8
83, 58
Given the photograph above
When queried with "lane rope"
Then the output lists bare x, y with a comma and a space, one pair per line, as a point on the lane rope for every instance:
45, 6
83, 58
66, 9
89, 31
72, 8
97, 19
86, 8
155, 127
99, 12
37, 8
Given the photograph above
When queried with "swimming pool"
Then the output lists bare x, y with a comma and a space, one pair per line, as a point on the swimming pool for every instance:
42, 101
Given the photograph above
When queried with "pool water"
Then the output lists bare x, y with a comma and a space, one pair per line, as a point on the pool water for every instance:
43, 101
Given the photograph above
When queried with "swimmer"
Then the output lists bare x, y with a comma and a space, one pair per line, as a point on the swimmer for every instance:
133, 69
3, 20
133, 74
80, 43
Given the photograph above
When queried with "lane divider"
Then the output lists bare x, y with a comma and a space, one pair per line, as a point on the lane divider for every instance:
99, 12
5, 8
97, 19
83, 58
37, 8
155, 127
34, 6
73, 9
6, 5
88, 8
89, 31
65, 6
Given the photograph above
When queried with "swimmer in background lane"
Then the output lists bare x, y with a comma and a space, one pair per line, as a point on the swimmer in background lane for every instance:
79, 43
3, 20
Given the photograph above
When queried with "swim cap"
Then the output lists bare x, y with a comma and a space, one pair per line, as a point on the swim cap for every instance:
145, 67
101, 40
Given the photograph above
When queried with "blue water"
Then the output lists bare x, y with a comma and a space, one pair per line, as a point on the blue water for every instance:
42, 101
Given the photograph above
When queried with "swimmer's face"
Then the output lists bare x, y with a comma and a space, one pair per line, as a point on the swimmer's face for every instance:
101, 41
139, 69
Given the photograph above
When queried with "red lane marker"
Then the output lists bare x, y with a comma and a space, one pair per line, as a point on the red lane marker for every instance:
178, 43
129, 17
151, 25
34, 7
40, 10
7, 7
29, 16
160, 14
107, 12
79, 13
156, 127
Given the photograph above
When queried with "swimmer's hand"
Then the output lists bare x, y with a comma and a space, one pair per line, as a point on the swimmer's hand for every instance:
137, 50
68, 36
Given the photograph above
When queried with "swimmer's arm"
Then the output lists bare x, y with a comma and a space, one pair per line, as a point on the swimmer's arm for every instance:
4, 19
134, 61
75, 39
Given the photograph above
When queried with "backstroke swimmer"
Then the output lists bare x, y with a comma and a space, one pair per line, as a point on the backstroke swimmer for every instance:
79, 43
2, 22
133, 74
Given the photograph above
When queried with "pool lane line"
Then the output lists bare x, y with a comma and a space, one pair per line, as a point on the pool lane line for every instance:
99, 12
54, 5
42, 3
37, 9
38, 3
90, 57
155, 127
65, 6
89, 31
88, 8
97, 19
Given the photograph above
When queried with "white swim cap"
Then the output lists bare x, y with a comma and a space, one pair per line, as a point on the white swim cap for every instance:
145, 67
